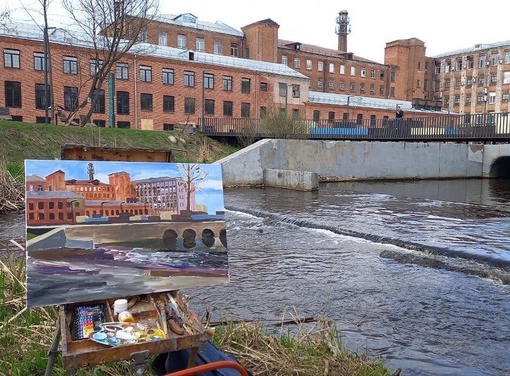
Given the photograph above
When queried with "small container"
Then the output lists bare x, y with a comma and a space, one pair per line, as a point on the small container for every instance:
120, 305
126, 316
99, 336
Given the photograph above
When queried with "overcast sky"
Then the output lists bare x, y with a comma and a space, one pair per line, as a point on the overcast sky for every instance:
444, 26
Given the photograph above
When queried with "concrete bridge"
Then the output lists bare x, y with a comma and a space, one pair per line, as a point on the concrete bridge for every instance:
302, 164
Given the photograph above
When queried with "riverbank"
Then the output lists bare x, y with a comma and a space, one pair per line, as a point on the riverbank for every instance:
22, 141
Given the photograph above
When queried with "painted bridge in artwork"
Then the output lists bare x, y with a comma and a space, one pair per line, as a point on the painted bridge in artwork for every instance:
169, 235
213, 233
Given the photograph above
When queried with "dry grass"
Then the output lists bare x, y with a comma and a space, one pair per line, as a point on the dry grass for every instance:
11, 190
306, 349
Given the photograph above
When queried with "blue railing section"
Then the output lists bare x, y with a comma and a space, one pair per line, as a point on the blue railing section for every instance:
490, 127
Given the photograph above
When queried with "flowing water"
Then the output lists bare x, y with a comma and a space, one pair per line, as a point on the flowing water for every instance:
418, 273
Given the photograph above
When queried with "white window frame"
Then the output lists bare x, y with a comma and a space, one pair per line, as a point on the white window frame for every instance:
320, 66
308, 64
331, 67
143, 35
218, 47
353, 71
285, 60
297, 62
163, 38
181, 41
70, 65
506, 77
342, 69
95, 65
145, 72
492, 98
363, 72
200, 44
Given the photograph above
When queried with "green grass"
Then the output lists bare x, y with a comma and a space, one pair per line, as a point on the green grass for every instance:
20, 141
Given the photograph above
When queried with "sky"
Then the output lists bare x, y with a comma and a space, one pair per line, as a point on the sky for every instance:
444, 26
210, 192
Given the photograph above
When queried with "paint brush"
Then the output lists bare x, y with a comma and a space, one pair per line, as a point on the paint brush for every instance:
162, 313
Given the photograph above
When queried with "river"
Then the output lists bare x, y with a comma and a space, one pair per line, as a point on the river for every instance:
416, 272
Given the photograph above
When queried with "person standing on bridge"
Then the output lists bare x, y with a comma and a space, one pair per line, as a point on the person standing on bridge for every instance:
399, 114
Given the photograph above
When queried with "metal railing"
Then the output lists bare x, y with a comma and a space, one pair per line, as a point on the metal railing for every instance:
478, 127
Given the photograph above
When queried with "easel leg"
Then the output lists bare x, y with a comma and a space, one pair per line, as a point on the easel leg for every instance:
192, 357
52, 352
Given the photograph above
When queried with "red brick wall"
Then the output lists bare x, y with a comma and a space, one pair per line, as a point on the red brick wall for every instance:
29, 77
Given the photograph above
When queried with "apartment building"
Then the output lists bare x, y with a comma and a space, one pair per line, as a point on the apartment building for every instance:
474, 80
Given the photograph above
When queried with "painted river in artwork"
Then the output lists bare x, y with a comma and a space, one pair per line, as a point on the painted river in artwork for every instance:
418, 272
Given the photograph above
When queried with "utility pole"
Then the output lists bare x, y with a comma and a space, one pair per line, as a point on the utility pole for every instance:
46, 91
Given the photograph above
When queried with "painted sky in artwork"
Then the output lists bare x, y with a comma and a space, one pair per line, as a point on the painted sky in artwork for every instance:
210, 192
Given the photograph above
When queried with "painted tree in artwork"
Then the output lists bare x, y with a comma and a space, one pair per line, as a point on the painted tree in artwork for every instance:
193, 174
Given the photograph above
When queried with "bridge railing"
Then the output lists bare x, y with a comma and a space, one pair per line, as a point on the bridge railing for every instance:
490, 126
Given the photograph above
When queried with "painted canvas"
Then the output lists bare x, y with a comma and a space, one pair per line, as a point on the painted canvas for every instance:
100, 230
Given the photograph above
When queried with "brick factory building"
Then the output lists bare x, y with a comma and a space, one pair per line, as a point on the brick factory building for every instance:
186, 71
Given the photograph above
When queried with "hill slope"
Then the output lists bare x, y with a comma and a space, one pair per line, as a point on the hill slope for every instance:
20, 141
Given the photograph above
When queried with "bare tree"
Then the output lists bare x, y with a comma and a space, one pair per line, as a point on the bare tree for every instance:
193, 175
113, 27
5, 18
48, 80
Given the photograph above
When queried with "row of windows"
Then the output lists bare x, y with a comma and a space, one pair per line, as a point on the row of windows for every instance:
70, 66
483, 62
51, 205
332, 68
13, 97
352, 86
199, 43
480, 99
91, 189
51, 216
481, 80
146, 104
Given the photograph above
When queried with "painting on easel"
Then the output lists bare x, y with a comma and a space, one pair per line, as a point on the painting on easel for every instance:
99, 230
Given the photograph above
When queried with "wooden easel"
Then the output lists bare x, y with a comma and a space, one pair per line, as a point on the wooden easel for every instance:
81, 353
78, 354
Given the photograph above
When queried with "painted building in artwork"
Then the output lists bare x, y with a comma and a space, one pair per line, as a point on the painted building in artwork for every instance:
53, 207
166, 196
57, 200
34, 183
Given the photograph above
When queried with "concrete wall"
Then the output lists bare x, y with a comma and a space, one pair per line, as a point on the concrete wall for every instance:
363, 160
290, 179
